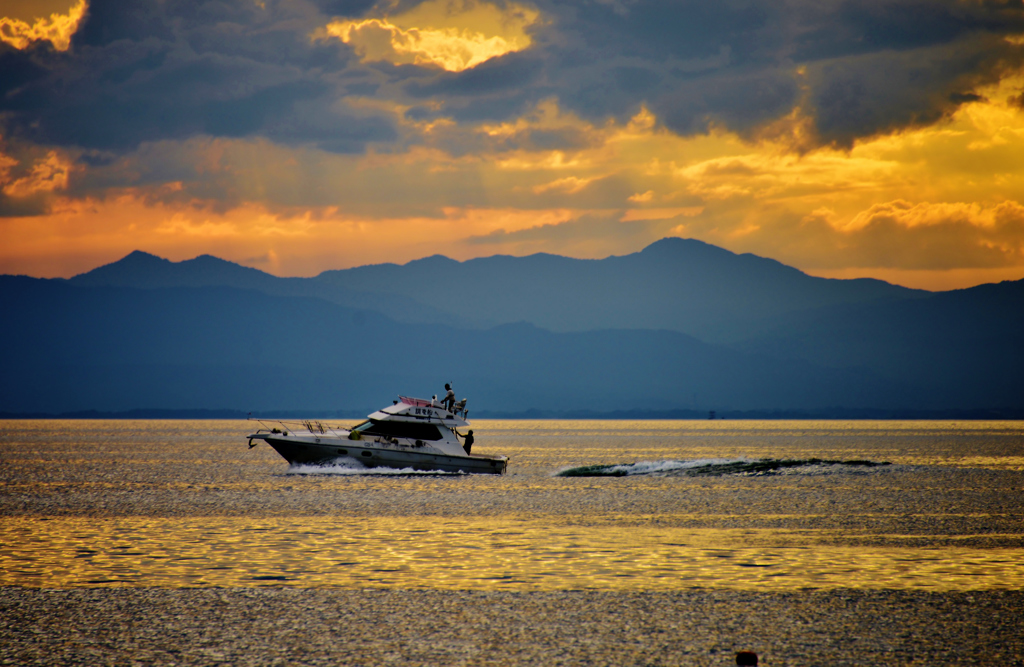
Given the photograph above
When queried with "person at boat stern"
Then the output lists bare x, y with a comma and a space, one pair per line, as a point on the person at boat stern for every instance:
468, 442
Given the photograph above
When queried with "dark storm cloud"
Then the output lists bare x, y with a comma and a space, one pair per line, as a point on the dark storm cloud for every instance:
875, 66
878, 92
856, 27
344, 8
150, 71
500, 89
737, 100
601, 60
689, 61
17, 69
512, 73
872, 66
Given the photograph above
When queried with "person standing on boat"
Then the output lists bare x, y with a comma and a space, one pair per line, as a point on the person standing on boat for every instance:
449, 398
468, 443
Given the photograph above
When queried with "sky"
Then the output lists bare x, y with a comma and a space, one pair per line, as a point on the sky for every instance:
847, 138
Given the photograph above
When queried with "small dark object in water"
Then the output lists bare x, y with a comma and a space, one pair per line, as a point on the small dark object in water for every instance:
746, 658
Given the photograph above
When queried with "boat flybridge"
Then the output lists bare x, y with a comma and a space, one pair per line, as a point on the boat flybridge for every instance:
415, 433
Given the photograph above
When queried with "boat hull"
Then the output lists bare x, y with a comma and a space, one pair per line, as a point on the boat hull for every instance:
327, 451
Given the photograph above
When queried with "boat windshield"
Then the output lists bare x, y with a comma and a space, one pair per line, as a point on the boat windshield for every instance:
394, 429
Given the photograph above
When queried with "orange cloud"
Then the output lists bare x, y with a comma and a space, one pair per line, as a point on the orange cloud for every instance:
660, 213
47, 175
568, 185
78, 235
453, 36
935, 207
936, 236
57, 29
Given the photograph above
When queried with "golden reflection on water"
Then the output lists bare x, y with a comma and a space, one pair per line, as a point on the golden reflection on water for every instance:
469, 553
183, 504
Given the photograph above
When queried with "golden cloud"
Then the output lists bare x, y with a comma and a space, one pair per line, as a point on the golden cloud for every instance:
934, 207
945, 235
57, 28
568, 185
47, 175
634, 214
6, 164
454, 36
78, 235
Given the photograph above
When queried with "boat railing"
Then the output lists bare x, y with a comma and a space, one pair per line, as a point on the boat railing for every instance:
311, 425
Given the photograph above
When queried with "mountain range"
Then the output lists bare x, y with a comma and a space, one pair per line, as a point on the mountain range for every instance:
681, 325
677, 284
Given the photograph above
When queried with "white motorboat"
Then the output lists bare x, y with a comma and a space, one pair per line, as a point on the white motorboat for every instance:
415, 433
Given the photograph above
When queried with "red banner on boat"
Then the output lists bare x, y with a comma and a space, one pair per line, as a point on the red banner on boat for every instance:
417, 402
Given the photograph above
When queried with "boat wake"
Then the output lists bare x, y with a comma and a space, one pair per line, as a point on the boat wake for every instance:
354, 467
719, 467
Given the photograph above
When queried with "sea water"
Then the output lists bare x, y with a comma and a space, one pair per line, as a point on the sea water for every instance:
605, 505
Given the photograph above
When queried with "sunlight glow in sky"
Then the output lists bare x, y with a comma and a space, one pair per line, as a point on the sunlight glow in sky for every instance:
453, 36
471, 129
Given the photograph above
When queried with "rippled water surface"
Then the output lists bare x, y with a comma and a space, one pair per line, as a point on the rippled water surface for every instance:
186, 503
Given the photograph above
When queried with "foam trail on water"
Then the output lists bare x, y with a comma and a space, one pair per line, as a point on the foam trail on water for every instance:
716, 467
350, 466
655, 467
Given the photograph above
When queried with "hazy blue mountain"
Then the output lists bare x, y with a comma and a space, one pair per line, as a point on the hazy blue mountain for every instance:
143, 270
679, 284
676, 284
619, 333
115, 348
961, 343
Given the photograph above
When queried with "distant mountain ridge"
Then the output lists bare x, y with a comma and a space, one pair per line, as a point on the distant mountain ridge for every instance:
143, 270
681, 325
677, 284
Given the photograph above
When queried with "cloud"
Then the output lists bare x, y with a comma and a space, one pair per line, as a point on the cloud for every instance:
47, 175
830, 134
31, 180
568, 185
57, 28
291, 72
174, 71
906, 237
77, 235
876, 93
925, 236
857, 68
454, 36
587, 235
824, 210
